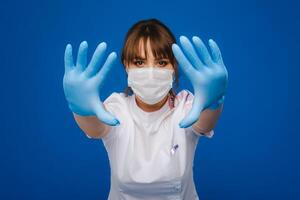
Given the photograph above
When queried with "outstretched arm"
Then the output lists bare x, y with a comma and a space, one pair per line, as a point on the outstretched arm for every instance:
92, 126
207, 120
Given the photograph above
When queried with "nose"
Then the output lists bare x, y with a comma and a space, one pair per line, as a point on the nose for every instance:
151, 68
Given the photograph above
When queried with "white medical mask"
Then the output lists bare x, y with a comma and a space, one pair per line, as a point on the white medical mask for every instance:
151, 84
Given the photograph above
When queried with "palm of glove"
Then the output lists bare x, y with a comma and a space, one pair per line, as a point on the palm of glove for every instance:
207, 74
81, 83
81, 92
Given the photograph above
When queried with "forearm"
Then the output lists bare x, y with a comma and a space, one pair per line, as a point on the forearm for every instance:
91, 126
207, 120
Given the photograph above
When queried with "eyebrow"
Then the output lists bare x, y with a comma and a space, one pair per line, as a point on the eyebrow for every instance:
141, 58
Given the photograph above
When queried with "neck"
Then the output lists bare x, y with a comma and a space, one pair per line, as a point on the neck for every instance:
148, 107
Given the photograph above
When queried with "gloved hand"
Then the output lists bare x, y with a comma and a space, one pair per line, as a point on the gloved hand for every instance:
82, 84
207, 74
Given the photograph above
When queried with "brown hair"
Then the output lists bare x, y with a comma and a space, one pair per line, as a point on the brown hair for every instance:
161, 40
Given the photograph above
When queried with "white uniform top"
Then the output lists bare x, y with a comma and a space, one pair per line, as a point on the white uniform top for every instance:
143, 166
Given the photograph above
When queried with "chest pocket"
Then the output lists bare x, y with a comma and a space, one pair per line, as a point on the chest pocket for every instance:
164, 190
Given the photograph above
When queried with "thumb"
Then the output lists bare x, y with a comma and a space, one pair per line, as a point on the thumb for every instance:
194, 113
104, 116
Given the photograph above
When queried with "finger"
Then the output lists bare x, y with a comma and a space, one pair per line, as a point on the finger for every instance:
105, 116
194, 113
183, 62
97, 58
215, 52
202, 50
68, 58
100, 76
190, 52
82, 55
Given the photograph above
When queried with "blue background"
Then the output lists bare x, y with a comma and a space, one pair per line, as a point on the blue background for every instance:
255, 151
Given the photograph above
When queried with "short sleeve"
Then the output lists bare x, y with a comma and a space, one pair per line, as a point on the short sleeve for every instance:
187, 97
206, 134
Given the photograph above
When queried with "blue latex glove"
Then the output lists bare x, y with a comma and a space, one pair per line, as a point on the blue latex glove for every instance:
215, 105
82, 83
206, 72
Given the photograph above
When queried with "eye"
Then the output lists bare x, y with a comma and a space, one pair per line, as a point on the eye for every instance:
163, 63
138, 63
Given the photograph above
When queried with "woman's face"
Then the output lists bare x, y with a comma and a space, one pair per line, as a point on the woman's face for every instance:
150, 61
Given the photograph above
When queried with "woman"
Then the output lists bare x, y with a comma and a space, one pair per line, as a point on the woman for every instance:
150, 132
